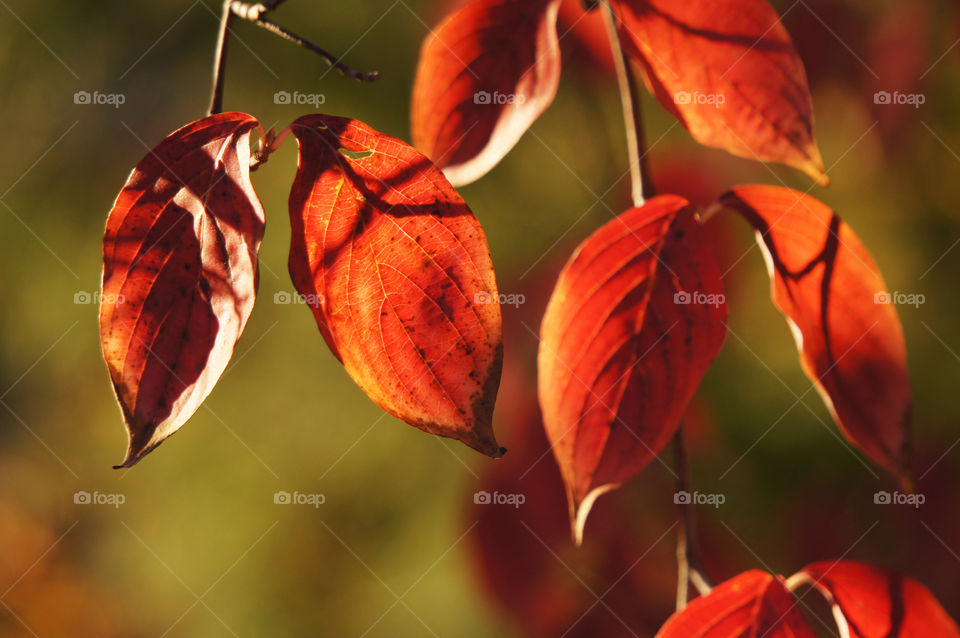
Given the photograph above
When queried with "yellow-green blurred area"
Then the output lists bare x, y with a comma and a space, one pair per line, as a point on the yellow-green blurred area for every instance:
199, 547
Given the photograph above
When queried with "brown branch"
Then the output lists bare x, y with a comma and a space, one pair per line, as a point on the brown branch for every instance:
255, 13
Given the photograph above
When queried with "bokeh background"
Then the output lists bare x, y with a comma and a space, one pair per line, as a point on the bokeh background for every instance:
199, 548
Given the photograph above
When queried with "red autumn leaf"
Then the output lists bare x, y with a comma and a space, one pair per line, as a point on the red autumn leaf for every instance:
484, 76
728, 71
179, 274
622, 348
877, 603
754, 604
397, 271
831, 291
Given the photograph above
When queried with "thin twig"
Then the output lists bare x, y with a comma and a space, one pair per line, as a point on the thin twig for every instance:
220, 60
632, 114
255, 13
688, 555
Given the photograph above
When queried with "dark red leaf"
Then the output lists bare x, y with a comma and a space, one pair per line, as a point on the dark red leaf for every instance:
728, 71
754, 604
397, 271
877, 603
484, 76
831, 291
621, 354
179, 274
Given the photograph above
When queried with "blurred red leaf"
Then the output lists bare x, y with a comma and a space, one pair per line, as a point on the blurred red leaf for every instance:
634, 321
728, 71
754, 604
179, 274
484, 76
831, 291
877, 603
398, 274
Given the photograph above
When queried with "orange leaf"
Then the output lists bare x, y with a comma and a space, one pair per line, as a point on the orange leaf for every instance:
397, 271
634, 321
728, 71
484, 76
876, 603
179, 274
754, 604
829, 288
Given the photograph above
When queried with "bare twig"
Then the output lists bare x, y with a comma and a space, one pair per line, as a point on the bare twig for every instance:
255, 12
632, 115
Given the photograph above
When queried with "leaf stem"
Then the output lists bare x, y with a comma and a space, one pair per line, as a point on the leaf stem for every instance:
688, 554
632, 115
255, 12
220, 60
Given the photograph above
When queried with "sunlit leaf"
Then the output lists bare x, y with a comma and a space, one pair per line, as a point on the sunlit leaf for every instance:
848, 333
754, 604
398, 274
179, 274
634, 321
728, 71
485, 75
876, 603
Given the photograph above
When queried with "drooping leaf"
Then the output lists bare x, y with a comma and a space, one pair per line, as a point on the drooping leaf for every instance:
179, 274
621, 353
878, 603
754, 604
398, 274
728, 71
832, 294
484, 76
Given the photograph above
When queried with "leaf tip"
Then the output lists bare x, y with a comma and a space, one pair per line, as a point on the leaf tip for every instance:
813, 167
580, 510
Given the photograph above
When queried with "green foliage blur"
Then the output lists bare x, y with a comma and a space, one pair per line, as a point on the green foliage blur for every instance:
199, 547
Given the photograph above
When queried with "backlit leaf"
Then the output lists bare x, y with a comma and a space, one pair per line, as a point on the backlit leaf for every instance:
179, 274
634, 321
728, 71
754, 604
877, 603
398, 274
484, 76
849, 336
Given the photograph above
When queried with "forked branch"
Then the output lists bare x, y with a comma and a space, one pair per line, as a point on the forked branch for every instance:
255, 13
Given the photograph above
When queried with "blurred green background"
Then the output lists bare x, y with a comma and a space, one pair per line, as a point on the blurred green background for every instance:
199, 548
